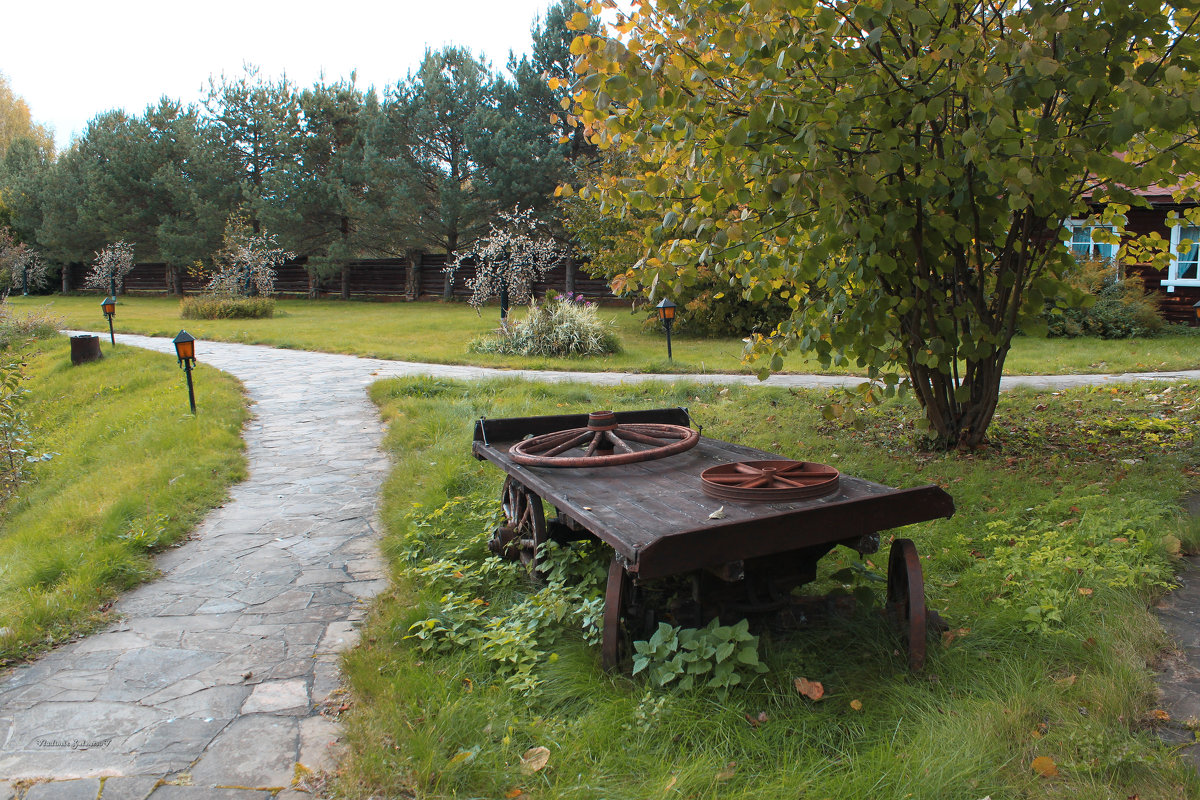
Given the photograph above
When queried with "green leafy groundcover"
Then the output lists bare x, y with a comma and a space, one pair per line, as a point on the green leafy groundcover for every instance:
1065, 531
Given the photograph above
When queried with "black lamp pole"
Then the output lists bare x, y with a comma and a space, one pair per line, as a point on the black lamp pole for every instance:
1196, 313
185, 351
110, 309
666, 312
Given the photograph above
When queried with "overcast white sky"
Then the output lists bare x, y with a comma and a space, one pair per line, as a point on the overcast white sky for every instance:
73, 59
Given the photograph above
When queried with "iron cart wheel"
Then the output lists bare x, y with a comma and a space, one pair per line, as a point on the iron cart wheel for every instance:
906, 599
524, 528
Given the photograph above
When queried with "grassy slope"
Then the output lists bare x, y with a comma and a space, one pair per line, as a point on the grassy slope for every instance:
133, 471
438, 333
1003, 691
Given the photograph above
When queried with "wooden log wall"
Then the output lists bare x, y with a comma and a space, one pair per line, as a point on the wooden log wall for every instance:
378, 277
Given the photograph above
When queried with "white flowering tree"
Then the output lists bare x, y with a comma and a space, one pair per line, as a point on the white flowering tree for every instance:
22, 263
246, 265
109, 269
508, 261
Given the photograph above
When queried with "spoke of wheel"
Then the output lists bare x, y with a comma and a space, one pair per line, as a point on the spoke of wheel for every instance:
596, 440
642, 438
789, 482
567, 445
617, 442
555, 439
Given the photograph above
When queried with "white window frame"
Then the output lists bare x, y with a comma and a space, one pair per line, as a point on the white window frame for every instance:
1173, 279
1072, 224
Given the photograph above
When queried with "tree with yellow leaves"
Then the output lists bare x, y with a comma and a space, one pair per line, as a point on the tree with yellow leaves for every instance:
900, 168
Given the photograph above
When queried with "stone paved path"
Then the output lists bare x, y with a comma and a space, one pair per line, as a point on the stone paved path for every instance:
210, 685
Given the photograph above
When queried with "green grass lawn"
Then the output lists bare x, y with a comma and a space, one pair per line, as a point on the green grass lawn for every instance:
1063, 536
131, 472
439, 333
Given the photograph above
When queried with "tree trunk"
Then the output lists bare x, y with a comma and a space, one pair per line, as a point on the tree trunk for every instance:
345, 281
569, 268
66, 278
174, 278
412, 277
448, 283
954, 423
314, 288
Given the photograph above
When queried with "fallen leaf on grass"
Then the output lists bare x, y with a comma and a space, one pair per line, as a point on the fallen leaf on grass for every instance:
856, 705
813, 690
957, 633
1086, 592
464, 755
1067, 681
755, 721
671, 784
514, 792
1160, 715
535, 758
1045, 766
728, 772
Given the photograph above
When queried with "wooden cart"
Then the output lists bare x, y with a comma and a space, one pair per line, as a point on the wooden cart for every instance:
741, 556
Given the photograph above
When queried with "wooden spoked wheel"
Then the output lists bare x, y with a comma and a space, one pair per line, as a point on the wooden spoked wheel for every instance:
524, 529
906, 599
612, 641
604, 443
766, 481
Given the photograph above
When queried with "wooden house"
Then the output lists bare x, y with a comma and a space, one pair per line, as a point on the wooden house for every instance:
1177, 286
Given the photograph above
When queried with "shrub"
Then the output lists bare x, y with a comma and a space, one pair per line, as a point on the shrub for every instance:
16, 330
219, 307
714, 313
559, 327
1118, 309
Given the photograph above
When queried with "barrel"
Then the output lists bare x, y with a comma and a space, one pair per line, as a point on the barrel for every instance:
85, 348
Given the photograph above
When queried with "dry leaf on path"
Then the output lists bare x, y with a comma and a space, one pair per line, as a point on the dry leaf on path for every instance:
535, 758
813, 690
1045, 766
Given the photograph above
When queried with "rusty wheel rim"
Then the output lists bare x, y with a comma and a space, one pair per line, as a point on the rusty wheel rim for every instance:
525, 525
906, 599
605, 443
767, 481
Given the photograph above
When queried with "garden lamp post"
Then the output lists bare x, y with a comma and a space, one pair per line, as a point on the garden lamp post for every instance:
109, 304
185, 351
666, 312
1196, 312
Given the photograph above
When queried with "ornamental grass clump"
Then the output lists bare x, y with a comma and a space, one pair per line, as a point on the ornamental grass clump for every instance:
220, 307
559, 327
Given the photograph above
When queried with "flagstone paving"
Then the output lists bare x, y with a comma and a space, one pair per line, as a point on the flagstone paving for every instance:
211, 683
